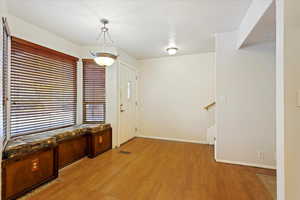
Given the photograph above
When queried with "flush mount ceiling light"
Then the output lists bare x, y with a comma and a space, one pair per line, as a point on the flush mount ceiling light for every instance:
108, 53
172, 50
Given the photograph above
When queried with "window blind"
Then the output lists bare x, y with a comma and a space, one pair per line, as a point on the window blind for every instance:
43, 88
93, 92
5, 48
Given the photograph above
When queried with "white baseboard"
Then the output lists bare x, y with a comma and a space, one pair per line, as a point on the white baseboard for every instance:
173, 139
246, 164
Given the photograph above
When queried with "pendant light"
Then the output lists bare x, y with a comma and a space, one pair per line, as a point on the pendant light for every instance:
108, 53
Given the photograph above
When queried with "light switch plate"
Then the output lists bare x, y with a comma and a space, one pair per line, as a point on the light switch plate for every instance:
223, 99
298, 98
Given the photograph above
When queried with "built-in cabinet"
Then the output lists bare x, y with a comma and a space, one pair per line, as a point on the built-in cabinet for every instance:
24, 171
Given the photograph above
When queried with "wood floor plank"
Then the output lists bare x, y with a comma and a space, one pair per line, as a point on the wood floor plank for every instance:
156, 170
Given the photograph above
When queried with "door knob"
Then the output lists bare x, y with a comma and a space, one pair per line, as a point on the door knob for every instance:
122, 110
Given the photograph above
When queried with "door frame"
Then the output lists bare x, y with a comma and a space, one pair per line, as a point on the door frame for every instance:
133, 68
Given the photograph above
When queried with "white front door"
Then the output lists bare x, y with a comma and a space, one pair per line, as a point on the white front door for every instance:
127, 103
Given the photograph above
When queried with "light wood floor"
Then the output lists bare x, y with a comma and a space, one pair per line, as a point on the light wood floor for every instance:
156, 170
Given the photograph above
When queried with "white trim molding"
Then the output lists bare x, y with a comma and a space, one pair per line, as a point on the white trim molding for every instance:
246, 164
173, 139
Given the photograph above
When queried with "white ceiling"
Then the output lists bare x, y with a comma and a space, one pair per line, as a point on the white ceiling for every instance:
143, 28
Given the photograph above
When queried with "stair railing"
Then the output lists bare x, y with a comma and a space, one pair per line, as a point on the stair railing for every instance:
210, 105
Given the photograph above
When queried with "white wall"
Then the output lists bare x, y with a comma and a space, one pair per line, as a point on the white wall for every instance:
245, 93
292, 112
27, 31
173, 92
288, 112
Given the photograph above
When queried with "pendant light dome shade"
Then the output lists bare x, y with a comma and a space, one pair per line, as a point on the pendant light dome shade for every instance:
108, 54
172, 51
105, 59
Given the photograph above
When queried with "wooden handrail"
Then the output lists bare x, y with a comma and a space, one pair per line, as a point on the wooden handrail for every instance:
209, 105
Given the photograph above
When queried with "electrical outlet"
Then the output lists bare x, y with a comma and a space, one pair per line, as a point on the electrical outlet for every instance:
260, 155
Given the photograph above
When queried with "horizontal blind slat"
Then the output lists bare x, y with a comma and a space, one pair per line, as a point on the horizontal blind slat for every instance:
36, 120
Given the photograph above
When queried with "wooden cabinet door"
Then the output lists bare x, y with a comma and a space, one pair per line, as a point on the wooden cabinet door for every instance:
101, 142
71, 150
21, 175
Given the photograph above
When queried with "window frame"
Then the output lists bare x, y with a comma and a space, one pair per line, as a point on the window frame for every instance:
5, 102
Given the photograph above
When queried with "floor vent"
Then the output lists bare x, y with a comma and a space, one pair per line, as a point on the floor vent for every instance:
124, 152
